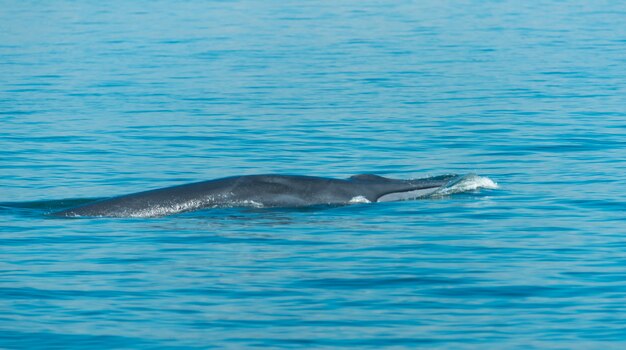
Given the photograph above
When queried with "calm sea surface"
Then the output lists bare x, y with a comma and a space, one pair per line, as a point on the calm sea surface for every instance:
101, 99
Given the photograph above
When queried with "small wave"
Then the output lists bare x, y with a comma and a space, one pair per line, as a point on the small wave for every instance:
469, 182
359, 199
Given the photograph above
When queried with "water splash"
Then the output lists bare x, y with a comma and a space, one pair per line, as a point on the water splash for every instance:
358, 200
466, 183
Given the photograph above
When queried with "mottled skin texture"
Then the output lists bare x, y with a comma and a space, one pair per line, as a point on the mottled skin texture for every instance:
253, 190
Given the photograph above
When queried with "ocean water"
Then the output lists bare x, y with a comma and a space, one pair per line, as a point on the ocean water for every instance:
102, 99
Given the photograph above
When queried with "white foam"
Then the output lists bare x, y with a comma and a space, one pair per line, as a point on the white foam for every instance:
470, 182
359, 199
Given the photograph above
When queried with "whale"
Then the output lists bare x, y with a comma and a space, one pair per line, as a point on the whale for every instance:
270, 190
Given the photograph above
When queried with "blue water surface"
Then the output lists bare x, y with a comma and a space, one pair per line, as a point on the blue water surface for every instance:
105, 98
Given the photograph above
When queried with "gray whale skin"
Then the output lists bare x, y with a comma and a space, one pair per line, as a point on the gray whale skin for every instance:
261, 191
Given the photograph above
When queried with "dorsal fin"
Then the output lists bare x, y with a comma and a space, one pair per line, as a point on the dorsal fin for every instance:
367, 177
